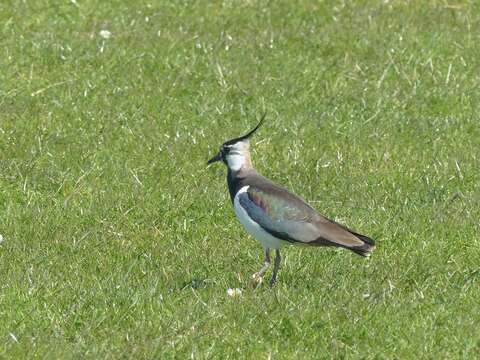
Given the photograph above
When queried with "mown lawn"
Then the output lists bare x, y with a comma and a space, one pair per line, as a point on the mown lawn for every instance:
119, 242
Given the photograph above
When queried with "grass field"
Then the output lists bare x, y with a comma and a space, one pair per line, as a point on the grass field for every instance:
119, 242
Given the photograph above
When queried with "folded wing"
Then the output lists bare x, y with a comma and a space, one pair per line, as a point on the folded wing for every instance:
286, 216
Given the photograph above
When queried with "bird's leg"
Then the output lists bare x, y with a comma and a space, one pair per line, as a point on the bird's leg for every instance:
276, 266
258, 276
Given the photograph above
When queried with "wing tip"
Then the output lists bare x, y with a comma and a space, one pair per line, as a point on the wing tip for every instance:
366, 248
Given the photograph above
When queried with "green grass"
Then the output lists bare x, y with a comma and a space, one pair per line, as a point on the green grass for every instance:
119, 242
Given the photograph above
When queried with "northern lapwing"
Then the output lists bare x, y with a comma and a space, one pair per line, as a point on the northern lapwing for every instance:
275, 216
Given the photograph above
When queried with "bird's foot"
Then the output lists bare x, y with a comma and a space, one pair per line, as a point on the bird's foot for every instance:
273, 281
257, 279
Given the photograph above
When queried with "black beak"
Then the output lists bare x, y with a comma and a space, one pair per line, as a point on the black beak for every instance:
216, 158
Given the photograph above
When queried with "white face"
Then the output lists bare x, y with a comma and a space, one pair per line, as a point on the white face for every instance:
235, 155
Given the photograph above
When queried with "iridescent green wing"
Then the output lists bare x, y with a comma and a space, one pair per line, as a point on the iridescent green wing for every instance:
280, 213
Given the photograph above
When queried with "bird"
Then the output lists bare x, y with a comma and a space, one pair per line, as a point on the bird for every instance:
275, 216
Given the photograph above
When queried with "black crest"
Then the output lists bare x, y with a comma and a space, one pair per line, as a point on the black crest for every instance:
248, 135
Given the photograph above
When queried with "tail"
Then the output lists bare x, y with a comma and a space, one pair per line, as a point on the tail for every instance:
367, 247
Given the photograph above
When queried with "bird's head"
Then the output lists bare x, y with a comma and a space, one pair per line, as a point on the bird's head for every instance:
235, 153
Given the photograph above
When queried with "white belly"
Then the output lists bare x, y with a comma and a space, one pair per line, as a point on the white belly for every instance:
267, 240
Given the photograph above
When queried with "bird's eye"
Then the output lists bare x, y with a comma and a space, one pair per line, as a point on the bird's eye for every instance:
226, 149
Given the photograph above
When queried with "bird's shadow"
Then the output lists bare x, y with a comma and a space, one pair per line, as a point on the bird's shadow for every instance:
196, 283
